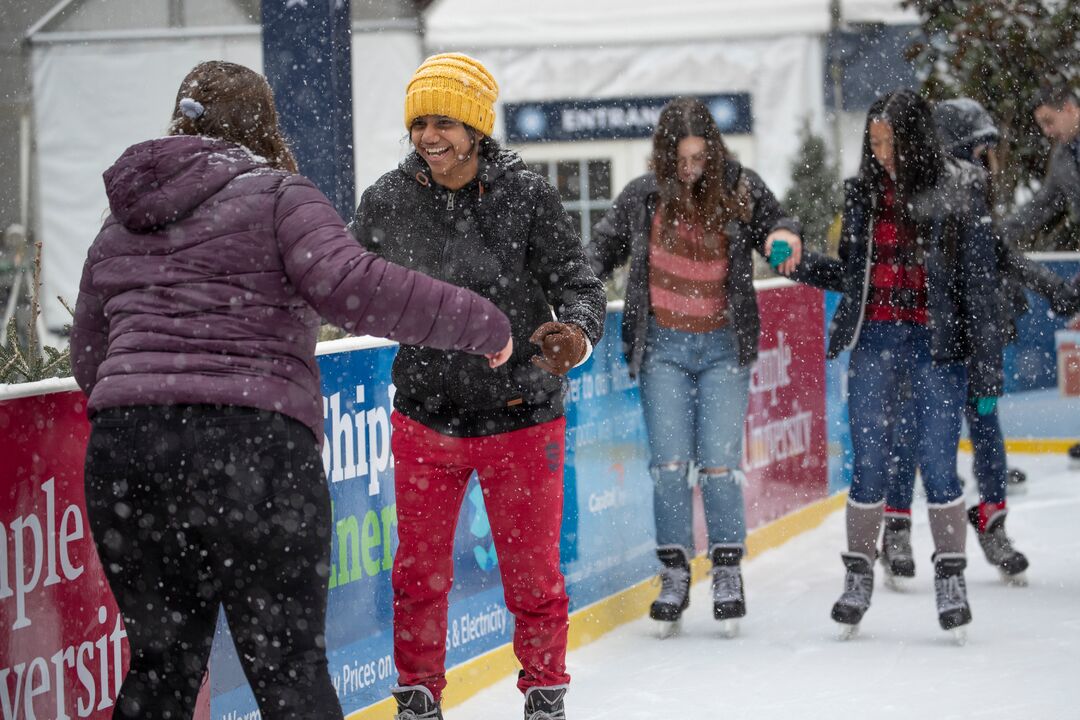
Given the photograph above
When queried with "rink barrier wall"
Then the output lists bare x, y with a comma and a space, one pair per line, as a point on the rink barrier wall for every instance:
795, 460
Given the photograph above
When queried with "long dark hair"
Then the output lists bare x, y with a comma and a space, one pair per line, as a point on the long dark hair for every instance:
709, 201
238, 106
916, 147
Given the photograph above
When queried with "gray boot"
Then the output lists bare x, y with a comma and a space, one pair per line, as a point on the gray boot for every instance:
729, 600
674, 584
415, 702
858, 589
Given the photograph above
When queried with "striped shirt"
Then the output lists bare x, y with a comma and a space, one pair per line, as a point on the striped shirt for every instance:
687, 278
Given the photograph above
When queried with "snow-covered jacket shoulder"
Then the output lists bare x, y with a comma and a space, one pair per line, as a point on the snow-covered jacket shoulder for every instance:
207, 280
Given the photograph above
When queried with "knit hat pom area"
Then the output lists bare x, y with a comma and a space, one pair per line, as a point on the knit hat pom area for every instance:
454, 85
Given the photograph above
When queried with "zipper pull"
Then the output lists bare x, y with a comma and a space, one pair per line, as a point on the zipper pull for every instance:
450, 201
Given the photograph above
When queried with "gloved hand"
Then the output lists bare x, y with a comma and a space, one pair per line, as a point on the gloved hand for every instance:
562, 346
781, 251
985, 405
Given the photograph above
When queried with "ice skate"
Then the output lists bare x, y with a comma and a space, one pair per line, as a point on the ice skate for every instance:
729, 599
858, 588
1074, 457
950, 593
997, 547
415, 702
896, 556
674, 596
545, 703
1016, 481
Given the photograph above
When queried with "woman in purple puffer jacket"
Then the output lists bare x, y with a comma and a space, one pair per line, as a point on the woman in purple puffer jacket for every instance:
194, 338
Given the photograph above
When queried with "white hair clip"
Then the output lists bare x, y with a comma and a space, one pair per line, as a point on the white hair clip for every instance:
191, 108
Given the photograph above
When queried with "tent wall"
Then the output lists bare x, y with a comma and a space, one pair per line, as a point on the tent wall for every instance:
93, 99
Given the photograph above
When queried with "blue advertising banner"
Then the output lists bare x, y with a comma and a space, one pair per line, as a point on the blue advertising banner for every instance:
841, 458
613, 118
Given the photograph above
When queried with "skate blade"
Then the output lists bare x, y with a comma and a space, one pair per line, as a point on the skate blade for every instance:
665, 629
959, 635
847, 632
1017, 580
1018, 489
1074, 464
729, 628
898, 584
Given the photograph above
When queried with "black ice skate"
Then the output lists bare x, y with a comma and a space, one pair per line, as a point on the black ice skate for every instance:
415, 702
1016, 481
545, 703
950, 591
674, 597
896, 556
858, 587
998, 548
729, 601
1074, 457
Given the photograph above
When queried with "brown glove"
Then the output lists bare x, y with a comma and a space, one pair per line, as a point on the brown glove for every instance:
562, 346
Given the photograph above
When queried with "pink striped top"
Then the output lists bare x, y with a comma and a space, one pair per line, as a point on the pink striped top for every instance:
687, 279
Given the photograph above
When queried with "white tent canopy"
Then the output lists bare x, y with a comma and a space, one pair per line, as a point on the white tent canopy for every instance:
497, 23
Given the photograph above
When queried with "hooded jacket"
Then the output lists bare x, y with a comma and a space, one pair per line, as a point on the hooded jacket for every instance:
963, 299
206, 283
624, 233
506, 236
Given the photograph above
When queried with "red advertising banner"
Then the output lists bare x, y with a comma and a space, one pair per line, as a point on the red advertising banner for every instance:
62, 649
785, 440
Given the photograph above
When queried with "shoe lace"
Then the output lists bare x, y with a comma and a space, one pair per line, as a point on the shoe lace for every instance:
555, 714
409, 714
858, 588
950, 592
726, 583
674, 584
897, 544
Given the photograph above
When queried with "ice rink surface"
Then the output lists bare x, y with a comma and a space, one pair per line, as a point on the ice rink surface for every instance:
1021, 660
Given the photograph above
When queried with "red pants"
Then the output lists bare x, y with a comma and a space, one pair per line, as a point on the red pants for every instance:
521, 474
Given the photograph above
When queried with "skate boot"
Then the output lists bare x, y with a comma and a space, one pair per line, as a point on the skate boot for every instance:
998, 548
950, 591
858, 588
545, 703
415, 702
1074, 457
1016, 481
674, 597
896, 555
729, 601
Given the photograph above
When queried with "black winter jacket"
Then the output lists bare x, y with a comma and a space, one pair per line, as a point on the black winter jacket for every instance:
505, 236
963, 298
624, 233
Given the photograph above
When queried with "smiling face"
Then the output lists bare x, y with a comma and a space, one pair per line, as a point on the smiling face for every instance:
883, 145
448, 147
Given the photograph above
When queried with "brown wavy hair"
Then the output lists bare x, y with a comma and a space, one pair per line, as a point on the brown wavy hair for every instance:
238, 107
709, 201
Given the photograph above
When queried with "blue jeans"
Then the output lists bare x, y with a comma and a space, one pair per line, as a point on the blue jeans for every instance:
899, 397
988, 450
694, 395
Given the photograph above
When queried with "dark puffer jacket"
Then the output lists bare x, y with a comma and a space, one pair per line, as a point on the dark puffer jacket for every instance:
206, 283
963, 299
624, 233
506, 236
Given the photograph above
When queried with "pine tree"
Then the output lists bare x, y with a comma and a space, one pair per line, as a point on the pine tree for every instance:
999, 52
815, 194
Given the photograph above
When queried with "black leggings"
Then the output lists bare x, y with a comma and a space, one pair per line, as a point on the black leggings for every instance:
198, 506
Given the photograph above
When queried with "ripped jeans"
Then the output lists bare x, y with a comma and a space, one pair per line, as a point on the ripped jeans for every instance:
694, 395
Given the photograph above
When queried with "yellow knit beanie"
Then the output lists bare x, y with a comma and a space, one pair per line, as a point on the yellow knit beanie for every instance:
454, 85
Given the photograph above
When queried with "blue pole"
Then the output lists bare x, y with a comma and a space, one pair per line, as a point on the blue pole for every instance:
307, 46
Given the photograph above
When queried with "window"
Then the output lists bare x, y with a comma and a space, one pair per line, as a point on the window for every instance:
584, 187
